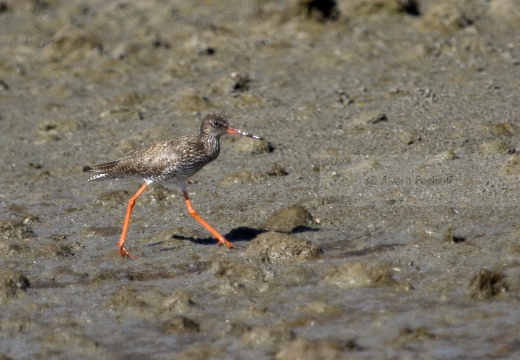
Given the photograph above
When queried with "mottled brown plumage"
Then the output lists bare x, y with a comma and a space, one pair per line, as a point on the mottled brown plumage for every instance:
174, 159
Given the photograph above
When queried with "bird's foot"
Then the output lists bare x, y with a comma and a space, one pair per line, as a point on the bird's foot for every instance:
222, 241
123, 253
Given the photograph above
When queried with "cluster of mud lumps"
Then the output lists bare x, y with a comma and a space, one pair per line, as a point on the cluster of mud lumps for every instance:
273, 247
16, 237
13, 285
487, 284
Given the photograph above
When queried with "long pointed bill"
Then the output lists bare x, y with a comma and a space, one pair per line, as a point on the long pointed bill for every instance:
243, 133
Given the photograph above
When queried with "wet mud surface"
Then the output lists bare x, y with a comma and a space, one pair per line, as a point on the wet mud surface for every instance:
379, 218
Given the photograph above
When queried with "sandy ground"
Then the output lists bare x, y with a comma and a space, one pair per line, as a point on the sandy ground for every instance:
378, 220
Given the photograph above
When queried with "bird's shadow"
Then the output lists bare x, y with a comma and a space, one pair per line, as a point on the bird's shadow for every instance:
242, 233
239, 234
302, 229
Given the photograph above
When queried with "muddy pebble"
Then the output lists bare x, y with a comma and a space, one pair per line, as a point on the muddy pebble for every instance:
506, 11
511, 166
234, 82
178, 302
357, 275
273, 247
504, 129
113, 198
268, 337
241, 276
14, 230
277, 170
407, 335
136, 297
442, 157
121, 115
160, 193
179, 69
288, 219
126, 49
58, 339
56, 126
486, 284
191, 100
452, 236
13, 285
12, 250
444, 16
369, 117
378, 118
322, 308
125, 146
357, 8
305, 349
495, 147
410, 137
49, 250
71, 45
251, 146
178, 325
128, 98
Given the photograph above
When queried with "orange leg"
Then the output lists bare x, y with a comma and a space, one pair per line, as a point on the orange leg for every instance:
131, 202
191, 210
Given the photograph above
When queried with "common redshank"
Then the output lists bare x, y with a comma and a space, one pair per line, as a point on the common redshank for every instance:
174, 159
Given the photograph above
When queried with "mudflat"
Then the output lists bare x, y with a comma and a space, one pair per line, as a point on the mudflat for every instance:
379, 218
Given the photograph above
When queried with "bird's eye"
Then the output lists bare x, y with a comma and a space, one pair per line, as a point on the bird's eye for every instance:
216, 124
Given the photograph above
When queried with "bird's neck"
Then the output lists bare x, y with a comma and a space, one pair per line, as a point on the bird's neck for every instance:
211, 145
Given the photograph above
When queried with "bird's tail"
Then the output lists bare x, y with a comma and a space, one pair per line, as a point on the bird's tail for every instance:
100, 169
